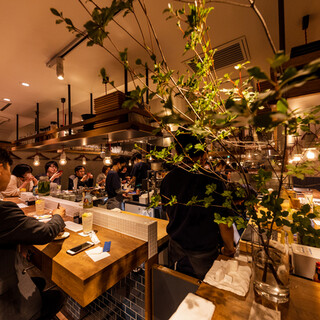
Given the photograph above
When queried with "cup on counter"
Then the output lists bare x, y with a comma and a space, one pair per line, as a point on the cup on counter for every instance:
87, 220
309, 198
40, 207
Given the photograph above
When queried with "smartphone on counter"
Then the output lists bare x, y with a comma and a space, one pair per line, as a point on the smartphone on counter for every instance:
80, 248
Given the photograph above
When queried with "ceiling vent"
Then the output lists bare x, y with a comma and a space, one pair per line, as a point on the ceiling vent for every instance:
228, 54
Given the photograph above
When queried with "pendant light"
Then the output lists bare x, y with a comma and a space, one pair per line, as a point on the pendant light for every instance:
84, 161
63, 158
36, 160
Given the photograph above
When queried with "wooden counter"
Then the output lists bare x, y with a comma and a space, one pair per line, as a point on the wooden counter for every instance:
304, 303
80, 277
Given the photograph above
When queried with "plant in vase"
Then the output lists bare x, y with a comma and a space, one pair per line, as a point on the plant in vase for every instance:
218, 110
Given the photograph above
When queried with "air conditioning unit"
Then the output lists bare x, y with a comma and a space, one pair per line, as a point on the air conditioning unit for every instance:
227, 55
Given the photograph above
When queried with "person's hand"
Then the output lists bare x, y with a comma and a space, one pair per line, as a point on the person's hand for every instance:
34, 180
89, 175
84, 178
61, 212
56, 175
228, 252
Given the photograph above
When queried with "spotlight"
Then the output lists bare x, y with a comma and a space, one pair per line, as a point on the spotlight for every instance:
59, 68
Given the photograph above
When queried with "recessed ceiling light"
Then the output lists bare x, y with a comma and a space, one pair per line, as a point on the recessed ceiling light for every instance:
6, 99
25, 84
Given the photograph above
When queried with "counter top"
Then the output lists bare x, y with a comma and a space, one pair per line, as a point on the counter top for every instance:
80, 277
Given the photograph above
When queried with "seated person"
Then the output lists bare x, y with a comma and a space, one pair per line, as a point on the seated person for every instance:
80, 178
21, 178
52, 172
101, 178
20, 298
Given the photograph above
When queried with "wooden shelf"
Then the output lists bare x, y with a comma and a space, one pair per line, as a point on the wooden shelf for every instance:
127, 128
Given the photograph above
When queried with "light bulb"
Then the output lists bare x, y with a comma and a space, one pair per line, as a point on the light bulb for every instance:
150, 158
311, 155
84, 161
107, 161
36, 160
63, 162
130, 163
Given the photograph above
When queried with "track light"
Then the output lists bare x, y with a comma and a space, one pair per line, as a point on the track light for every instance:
36, 160
59, 68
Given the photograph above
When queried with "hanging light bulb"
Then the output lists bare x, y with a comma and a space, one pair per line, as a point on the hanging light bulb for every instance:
36, 160
130, 163
84, 161
150, 158
59, 68
107, 161
311, 154
63, 159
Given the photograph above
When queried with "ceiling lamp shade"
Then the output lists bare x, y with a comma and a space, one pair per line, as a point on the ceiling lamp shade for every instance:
59, 68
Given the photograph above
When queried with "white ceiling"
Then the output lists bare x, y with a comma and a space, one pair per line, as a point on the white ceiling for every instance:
30, 38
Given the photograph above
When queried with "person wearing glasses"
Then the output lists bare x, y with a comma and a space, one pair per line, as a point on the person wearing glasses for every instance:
80, 178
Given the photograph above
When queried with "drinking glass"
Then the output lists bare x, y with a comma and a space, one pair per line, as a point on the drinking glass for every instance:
87, 219
40, 207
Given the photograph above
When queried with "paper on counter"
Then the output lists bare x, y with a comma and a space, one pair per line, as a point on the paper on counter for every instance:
224, 275
194, 307
97, 254
82, 234
75, 227
258, 311
22, 205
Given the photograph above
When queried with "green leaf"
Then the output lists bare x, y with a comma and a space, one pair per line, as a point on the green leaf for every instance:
257, 73
282, 105
55, 12
138, 62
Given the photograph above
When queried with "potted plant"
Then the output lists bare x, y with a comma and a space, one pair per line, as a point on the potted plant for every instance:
220, 110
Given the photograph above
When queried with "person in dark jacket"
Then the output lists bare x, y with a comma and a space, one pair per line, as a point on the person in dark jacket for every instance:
80, 178
20, 298
194, 237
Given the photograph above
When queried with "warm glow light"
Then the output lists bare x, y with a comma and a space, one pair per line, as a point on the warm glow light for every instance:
107, 161
25, 84
84, 161
130, 163
311, 155
63, 159
60, 77
63, 162
6, 99
150, 158
36, 160
296, 158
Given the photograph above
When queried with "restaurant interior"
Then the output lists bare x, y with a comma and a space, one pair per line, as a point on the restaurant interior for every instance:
57, 107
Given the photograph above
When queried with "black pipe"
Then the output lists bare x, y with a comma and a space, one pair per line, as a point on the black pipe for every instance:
58, 114
38, 119
125, 80
69, 106
17, 127
91, 103
281, 21
147, 84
